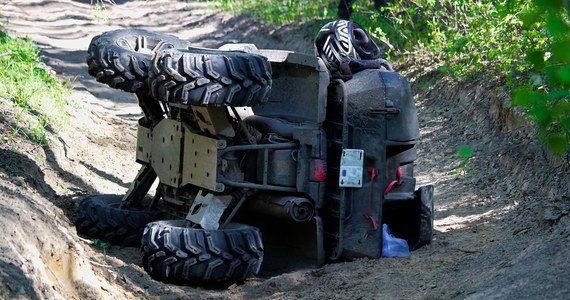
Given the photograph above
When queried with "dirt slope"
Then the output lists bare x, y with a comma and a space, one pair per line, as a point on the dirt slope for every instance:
502, 221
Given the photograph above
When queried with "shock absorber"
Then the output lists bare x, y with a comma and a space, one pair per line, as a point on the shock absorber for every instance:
152, 109
238, 198
244, 130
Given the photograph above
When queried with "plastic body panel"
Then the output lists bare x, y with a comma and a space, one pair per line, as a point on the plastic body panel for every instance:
373, 111
298, 93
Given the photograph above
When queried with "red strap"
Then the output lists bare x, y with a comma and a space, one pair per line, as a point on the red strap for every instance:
398, 180
373, 174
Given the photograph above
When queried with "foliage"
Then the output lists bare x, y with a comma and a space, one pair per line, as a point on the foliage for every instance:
37, 96
547, 96
462, 37
100, 10
523, 44
464, 153
103, 245
101, 13
282, 12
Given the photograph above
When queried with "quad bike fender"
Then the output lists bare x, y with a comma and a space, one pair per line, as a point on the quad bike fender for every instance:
299, 91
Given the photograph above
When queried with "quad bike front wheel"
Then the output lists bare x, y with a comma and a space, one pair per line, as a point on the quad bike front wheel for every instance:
99, 217
121, 58
174, 252
210, 77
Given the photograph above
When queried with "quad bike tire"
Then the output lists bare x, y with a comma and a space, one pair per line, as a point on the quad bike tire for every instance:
99, 217
210, 77
121, 58
173, 252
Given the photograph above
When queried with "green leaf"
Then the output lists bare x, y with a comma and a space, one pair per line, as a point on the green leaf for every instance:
566, 124
552, 74
104, 245
558, 94
523, 97
530, 17
563, 74
555, 25
548, 4
541, 114
558, 144
536, 58
465, 152
443, 69
560, 50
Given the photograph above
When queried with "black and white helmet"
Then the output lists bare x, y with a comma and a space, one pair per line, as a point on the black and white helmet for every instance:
344, 41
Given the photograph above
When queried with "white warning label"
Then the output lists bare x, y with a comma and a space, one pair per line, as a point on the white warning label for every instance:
351, 166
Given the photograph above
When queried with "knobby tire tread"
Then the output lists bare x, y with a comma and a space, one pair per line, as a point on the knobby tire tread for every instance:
172, 252
210, 78
121, 58
98, 218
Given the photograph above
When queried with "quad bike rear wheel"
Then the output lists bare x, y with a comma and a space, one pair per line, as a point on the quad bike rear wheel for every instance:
174, 252
210, 77
99, 217
121, 58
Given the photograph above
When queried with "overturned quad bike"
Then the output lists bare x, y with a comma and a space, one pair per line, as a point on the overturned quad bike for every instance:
239, 142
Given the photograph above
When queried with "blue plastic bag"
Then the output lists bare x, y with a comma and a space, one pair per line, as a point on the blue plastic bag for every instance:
393, 246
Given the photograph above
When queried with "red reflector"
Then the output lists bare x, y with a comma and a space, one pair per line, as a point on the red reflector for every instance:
319, 170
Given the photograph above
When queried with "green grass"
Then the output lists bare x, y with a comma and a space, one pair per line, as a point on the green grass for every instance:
100, 9
462, 37
281, 12
40, 100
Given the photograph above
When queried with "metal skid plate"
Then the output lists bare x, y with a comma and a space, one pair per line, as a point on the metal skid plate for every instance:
213, 120
166, 151
143, 144
208, 209
200, 161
